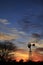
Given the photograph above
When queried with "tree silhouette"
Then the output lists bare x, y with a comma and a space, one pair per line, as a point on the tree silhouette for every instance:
9, 45
21, 61
6, 48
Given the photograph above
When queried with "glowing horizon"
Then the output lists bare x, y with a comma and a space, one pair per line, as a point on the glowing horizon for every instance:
19, 55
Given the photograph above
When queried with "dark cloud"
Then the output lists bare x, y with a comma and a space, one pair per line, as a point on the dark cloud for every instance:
39, 49
24, 23
28, 23
35, 35
41, 15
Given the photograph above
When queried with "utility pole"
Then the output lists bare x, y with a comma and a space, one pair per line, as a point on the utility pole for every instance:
30, 51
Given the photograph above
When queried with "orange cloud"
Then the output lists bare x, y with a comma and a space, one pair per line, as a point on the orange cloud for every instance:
7, 37
37, 57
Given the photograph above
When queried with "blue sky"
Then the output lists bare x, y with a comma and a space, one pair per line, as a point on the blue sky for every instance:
12, 13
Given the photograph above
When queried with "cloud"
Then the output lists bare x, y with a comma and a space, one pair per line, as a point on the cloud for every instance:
35, 35
13, 32
4, 21
24, 23
7, 36
22, 33
17, 32
39, 49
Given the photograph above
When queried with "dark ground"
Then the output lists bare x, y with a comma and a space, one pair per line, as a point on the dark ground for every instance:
20, 62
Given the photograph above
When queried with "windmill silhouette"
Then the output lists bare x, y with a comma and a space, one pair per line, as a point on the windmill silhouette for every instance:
30, 50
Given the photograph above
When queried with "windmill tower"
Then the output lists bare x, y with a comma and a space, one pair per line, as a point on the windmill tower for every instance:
30, 50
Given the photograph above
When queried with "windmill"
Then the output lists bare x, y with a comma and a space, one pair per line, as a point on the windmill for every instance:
30, 50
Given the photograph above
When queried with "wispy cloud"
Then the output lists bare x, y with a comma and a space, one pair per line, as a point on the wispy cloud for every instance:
21, 32
4, 21
12, 31
15, 31
7, 36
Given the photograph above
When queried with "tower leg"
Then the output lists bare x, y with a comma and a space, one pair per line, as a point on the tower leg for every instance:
30, 54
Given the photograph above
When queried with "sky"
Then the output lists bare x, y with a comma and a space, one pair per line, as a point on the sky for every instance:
21, 21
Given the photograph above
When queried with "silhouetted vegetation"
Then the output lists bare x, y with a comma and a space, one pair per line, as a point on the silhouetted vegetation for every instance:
21, 61
5, 48
7, 45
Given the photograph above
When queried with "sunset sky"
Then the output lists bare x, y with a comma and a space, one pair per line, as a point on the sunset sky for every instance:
21, 22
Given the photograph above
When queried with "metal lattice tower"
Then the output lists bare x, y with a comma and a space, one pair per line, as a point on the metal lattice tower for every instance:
30, 50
